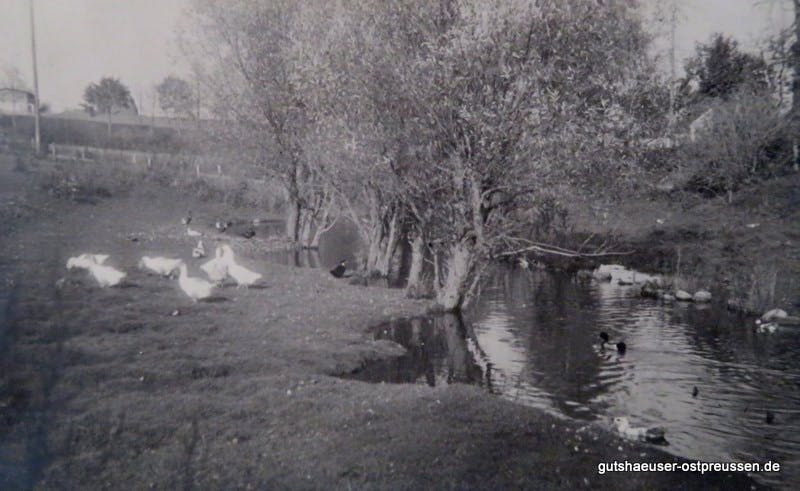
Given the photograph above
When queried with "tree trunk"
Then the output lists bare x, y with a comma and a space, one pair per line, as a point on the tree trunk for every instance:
388, 246
414, 285
306, 227
451, 293
373, 241
293, 212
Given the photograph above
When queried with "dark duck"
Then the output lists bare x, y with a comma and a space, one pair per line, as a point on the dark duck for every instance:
340, 269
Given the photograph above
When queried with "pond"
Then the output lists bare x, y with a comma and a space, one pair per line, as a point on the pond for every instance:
533, 337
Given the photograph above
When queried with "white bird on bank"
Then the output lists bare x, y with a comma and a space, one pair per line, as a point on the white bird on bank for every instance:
650, 435
192, 232
217, 268
199, 250
195, 288
242, 275
768, 327
86, 260
160, 265
106, 275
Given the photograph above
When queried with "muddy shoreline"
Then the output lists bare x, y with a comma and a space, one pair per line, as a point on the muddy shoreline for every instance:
107, 389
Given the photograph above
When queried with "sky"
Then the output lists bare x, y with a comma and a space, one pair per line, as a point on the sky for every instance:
81, 41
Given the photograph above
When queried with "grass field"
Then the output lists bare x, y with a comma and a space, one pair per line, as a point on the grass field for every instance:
105, 388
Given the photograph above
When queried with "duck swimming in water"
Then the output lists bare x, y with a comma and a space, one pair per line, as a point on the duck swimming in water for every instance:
622, 347
604, 338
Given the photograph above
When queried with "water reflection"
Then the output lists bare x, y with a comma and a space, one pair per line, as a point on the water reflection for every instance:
532, 337
438, 353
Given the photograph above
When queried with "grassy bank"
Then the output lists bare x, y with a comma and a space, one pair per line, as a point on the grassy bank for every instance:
747, 249
109, 389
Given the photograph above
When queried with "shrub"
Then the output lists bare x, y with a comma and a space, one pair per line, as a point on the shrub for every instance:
745, 140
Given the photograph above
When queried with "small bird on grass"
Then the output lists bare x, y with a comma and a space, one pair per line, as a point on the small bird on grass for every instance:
339, 270
199, 250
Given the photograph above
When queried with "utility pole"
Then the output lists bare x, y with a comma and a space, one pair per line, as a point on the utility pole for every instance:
672, 23
37, 137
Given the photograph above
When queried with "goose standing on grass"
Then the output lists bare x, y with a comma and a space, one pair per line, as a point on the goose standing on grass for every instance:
86, 260
106, 275
195, 288
199, 251
217, 268
187, 219
242, 275
160, 265
649, 435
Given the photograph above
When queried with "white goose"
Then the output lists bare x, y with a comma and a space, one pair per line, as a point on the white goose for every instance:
195, 288
192, 232
106, 275
242, 275
217, 268
160, 265
650, 435
199, 250
85, 260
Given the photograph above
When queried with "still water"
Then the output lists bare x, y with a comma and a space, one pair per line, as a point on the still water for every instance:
532, 338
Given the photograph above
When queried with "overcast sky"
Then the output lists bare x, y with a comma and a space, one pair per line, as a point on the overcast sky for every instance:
80, 41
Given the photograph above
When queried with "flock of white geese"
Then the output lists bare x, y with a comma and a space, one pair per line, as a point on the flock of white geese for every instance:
218, 269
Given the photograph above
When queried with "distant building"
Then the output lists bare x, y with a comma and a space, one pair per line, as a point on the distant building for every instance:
16, 101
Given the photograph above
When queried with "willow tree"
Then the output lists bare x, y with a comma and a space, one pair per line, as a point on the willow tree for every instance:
246, 54
507, 99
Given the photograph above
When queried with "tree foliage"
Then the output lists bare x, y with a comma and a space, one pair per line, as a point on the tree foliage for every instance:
107, 97
176, 97
719, 68
446, 119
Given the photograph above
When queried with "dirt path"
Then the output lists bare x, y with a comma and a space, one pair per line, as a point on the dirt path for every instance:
104, 388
